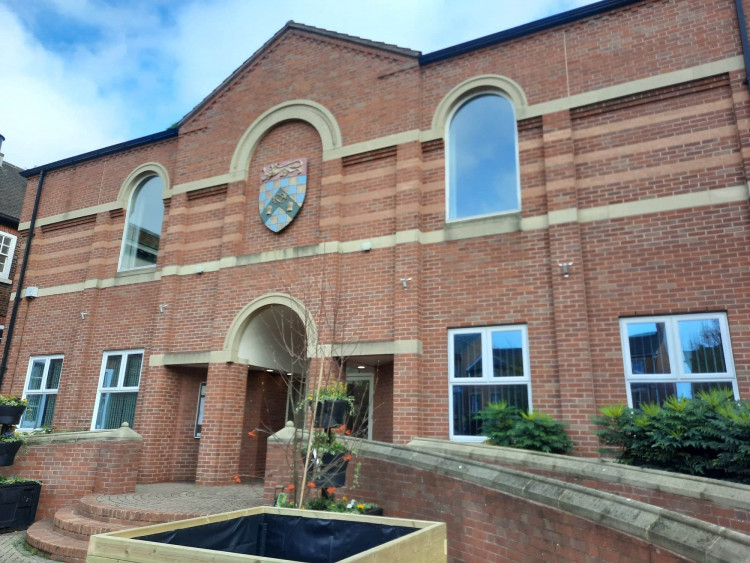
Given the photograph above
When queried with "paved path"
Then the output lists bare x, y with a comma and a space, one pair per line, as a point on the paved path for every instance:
12, 549
186, 497
167, 497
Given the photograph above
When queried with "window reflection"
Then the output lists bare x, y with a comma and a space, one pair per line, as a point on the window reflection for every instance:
702, 348
648, 348
143, 228
483, 158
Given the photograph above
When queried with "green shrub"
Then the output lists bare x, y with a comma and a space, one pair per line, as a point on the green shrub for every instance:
511, 427
708, 435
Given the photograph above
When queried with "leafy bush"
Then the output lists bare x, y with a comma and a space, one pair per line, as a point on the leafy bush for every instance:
708, 435
514, 428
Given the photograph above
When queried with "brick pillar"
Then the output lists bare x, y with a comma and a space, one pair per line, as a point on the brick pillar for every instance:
406, 300
577, 396
223, 414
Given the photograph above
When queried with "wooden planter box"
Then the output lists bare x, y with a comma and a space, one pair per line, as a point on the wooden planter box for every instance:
18, 502
276, 535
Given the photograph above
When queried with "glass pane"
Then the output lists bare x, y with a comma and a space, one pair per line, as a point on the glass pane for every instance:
112, 371
33, 409
708, 386
648, 348
116, 408
37, 371
507, 354
53, 377
359, 422
468, 400
49, 410
467, 355
651, 392
702, 349
143, 229
133, 370
483, 165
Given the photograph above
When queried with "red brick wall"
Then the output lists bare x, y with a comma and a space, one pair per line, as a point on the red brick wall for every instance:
70, 470
483, 525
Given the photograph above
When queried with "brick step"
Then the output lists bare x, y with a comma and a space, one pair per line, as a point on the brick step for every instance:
42, 536
72, 523
91, 508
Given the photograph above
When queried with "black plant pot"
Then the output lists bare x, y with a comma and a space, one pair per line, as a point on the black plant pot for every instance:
11, 415
8, 452
332, 413
329, 472
18, 502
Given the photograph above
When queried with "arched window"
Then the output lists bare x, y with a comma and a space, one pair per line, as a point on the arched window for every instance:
140, 241
483, 176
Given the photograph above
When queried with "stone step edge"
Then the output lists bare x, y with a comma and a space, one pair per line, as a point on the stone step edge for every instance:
42, 536
70, 522
90, 507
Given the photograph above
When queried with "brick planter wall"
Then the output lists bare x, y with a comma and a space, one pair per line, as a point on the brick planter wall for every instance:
496, 514
74, 464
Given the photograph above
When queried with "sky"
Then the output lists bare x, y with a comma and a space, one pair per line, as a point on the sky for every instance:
78, 75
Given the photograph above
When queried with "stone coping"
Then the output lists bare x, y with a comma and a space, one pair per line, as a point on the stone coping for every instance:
122, 434
725, 493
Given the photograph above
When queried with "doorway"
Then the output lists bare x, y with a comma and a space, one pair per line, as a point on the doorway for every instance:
360, 384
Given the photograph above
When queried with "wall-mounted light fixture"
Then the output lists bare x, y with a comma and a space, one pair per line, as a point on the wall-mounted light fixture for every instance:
83, 315
405, 281
566, 268
162, 308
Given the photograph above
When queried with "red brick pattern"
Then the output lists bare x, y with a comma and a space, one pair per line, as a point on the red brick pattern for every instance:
69, 471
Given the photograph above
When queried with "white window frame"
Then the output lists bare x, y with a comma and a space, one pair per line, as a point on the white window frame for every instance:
42, 387
137, 190
674, 349
199, 409
487, 369
120, 378
5, 271
449, 187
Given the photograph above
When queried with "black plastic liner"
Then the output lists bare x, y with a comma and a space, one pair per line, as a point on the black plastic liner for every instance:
294, 538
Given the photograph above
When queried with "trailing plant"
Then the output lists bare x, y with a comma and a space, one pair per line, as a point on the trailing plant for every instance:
16, 479
333, 391
514, 428
708, 435
323, 443
10, 401
10, 435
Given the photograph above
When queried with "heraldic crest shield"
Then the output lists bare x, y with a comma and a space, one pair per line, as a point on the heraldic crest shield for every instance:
282, 192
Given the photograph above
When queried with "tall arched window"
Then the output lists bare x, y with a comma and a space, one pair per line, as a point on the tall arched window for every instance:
140, 241
483, 174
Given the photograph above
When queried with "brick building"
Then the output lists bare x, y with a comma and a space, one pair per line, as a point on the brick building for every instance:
555, 215
12, 189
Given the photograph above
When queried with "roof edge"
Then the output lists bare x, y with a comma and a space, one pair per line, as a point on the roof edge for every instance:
112, 149
300, 27
526, 29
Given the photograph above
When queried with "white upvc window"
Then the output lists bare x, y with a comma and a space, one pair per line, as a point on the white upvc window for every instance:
119, 381
676, 355
7, 247
42, 383
486, 365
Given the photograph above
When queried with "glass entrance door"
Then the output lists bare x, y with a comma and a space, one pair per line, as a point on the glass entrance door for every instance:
359, 384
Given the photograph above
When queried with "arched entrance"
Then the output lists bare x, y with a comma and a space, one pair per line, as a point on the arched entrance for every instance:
271, 339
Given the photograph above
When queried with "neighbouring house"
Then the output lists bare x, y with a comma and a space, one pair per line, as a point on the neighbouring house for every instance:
555, 216
12, 189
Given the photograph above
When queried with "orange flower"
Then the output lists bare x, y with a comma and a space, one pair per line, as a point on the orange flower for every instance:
252, 434
339, 429
348, 431
331, 490
290, 487
347, 457
311, 485
237, 479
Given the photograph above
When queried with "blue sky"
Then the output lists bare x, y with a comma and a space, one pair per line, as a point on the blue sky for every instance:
78, 75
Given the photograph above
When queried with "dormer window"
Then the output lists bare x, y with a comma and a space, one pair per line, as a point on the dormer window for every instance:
483, 170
